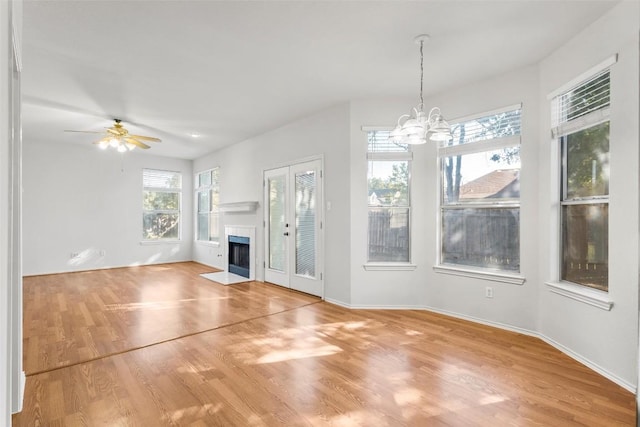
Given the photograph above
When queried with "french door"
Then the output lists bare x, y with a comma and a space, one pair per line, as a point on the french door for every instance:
293, 227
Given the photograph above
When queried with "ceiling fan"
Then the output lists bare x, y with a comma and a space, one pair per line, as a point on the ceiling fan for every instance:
119, 138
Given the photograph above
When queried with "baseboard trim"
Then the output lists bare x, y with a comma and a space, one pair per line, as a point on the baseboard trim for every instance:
111, 267
374, 307
473, 319
589, 364
577, 357
17, 406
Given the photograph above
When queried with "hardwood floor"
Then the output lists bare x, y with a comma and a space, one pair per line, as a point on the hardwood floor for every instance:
273, 357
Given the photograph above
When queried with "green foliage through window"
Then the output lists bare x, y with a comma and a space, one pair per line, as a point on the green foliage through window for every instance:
161, 204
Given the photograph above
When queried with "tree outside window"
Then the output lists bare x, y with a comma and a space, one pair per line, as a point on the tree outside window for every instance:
580, 119
480, 194
388, 180
161, 204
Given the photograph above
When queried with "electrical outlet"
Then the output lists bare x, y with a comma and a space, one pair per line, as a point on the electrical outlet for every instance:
103, 252
488, 292
73, 255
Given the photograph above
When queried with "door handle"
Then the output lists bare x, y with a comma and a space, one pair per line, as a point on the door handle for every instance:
286, 233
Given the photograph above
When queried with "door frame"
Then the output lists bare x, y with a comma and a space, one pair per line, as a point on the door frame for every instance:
320, 211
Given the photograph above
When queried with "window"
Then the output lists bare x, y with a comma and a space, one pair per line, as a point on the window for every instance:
161, 196
388, 178
480, 192
207, 200
581, 125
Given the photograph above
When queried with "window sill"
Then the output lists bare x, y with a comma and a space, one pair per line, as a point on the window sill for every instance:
583, 294
389, 266
205, 243
160, 242
513, 279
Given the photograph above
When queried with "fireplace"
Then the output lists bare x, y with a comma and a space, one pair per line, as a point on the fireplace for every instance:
239, 255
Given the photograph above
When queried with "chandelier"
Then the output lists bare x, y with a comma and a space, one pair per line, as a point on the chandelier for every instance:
413, 128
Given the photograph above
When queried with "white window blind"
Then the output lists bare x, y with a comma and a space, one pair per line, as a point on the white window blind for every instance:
585, 105
492, 130
380, 147
388, 196
159, 179
379, 142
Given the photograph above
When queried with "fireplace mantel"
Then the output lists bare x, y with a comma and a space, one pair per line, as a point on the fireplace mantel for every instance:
238, 207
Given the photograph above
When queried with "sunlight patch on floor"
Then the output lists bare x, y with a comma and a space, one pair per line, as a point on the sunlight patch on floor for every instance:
197, 411
298, 353
158, 305
350, 419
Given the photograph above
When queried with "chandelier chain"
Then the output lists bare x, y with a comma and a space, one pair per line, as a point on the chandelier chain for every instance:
421, 73
418, 126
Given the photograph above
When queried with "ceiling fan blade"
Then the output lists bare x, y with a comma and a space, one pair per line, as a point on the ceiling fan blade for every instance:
146, 138
83, 131
114, 131
135, 142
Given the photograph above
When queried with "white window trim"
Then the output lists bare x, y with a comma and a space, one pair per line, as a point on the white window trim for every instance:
575, 291
607, 63
483, 274
493, 112
209, 243
479, 146
581, 293
391, 156
197, 189
178, 211
160, 242
390, 266
470, 148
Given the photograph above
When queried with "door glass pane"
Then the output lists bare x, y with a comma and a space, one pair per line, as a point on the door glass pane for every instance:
305, 183
277, 249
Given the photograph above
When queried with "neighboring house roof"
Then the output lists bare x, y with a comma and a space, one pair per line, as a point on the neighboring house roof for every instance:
376, 197
496, 184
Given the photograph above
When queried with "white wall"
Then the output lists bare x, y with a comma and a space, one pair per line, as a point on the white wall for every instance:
5, 179
607, 339
387, 289
11, 376
513, 305
241, 166
81, 199
100, 210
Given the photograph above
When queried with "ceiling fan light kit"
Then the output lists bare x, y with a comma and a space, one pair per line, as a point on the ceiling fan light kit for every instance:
413, 128
119, 138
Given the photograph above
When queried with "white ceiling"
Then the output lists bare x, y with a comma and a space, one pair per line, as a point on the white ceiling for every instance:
230, 70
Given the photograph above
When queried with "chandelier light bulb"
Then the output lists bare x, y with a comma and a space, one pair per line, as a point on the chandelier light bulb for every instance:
413, 128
